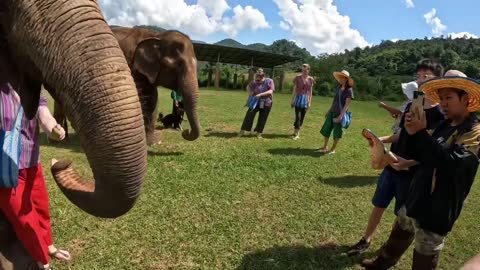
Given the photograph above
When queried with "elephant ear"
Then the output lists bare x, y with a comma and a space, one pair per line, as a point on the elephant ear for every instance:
149, 57
28, 89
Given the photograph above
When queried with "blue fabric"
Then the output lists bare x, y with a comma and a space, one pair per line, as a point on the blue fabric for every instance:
347, 117
346, 120
301, 101
11, 147
391, 184
252, 101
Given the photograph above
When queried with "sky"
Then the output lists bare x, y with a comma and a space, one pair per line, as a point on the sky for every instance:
320, 26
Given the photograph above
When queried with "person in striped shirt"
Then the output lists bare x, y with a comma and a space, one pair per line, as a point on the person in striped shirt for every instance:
26, 206
302, 98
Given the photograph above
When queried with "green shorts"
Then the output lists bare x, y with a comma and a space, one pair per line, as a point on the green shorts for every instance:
329, 125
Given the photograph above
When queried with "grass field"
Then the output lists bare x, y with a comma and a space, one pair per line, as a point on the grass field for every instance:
223, 202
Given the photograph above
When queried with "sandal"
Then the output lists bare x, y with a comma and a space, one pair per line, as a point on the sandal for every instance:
61, 255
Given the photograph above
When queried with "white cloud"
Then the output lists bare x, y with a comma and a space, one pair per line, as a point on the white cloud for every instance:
434, 22
409, 3
201, 19
244, 18
394, 39
318, 26
462, 35
214, 8
284, 25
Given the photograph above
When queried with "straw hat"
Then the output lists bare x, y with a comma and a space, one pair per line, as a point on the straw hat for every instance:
457, 80
260, 71
343, 74
380, 156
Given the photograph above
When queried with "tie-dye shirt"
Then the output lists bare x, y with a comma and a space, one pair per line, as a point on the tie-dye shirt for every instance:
256, 88
303, 87
10, 101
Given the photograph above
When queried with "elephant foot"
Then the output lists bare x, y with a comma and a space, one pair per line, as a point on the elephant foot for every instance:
153, 138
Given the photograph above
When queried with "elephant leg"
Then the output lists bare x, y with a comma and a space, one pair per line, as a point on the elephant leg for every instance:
148, 97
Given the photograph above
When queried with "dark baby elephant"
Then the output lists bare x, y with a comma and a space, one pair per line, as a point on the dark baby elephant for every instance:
68, 47
164, 59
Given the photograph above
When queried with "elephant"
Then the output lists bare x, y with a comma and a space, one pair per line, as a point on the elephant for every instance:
158, 59
67, 46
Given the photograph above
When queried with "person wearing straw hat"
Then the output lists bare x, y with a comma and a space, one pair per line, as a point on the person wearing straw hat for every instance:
334, 115
448, 163
395, 179
302, 98
260, 100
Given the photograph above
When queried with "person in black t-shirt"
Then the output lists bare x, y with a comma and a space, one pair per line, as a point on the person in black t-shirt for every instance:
395, 180
448, 163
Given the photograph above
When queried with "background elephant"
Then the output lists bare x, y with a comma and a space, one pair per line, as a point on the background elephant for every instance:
159, 59
68, 46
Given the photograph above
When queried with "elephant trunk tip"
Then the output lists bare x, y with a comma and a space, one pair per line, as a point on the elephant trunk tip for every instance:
86, 195
190, 135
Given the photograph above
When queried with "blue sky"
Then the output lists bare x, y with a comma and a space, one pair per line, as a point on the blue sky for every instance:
318, 25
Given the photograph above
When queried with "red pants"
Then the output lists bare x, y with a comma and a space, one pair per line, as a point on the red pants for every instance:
26, 208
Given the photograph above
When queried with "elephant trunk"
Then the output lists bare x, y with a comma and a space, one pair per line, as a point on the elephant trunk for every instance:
189, 89
70, 42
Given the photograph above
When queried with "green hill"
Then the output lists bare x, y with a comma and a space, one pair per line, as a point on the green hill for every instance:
379, 70
231, 43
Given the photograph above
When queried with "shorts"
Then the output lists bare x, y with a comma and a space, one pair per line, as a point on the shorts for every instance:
330, 126
391, 184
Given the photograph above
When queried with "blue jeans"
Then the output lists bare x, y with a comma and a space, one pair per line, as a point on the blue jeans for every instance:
391, 184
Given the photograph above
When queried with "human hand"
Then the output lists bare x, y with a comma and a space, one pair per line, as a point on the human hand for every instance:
402, 164
338, 119
57, 133
384, 138
258, 95
415, 121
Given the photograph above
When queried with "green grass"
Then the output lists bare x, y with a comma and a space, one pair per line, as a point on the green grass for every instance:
227, 203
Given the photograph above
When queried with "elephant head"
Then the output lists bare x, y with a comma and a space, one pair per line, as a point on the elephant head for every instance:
163, 59
68, 46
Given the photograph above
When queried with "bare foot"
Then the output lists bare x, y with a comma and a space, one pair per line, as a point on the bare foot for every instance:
60, 255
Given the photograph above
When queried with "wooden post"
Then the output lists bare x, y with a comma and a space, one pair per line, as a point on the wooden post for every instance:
250, 74
217, 73
209, 79
235, 78
281, 81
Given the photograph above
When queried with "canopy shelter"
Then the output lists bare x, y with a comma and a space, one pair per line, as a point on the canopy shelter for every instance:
239, 56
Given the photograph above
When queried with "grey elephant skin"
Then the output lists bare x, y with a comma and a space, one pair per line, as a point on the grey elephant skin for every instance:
164, 59
67, 46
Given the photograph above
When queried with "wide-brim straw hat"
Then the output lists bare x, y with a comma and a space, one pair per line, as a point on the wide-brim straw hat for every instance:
470, 86
343, 74
380, 156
